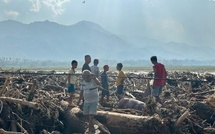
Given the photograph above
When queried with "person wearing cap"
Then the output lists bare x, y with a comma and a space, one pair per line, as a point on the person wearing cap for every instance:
105, 84
89, 92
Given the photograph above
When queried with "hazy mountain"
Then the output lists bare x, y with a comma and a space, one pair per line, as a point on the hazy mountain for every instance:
170, 50
49, 40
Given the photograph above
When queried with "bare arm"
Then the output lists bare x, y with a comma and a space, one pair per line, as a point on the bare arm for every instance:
80, 97
155, 71
68, 79
165, 72
97, 74
122, 81
95, 80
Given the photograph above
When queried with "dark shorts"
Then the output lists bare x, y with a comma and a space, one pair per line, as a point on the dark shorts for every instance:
105, 92
156, 90
119, 90
71, 88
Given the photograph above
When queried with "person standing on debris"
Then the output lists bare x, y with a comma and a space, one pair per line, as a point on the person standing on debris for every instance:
95, 68
159, 78
86, 66
89, 92
120, 81
105, 84
72, 82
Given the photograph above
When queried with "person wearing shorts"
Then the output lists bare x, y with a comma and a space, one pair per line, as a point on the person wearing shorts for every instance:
89, 92
159, 79
105, 84
72, 81
120, 81
156, 90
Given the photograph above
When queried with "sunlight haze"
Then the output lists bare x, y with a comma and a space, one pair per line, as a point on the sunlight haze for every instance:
190, 21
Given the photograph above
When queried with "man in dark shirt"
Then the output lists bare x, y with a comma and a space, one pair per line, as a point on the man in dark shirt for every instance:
105, 84
86, 66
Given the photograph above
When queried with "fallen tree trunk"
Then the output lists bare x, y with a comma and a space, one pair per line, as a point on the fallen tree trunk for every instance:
115, 122
131, 124
182, 118
204, 111
204, 92
53, 87
2, 131
211, 101
23, 129
76, 123
32, 91
20, 101
7, 81
209, 130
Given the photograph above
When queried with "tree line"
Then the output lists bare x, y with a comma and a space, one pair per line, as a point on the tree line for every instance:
39, 63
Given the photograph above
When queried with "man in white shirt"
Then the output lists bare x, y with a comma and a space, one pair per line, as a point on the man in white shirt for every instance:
95, 68
89, 92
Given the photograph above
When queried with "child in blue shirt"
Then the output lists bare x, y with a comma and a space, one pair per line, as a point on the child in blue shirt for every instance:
105, 84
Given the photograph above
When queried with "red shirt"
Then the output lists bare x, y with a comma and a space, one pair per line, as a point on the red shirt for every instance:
160, 73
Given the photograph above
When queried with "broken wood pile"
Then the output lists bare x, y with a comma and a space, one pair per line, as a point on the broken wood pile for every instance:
37, 104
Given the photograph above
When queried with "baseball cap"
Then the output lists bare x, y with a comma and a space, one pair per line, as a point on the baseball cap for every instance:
105, 66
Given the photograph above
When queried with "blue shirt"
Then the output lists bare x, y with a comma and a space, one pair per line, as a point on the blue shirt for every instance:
104, 80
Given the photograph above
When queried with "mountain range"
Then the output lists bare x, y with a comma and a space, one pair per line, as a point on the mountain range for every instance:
49, 40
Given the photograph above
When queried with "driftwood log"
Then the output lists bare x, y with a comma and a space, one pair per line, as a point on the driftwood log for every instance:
131, 124
2, 131
39, 109
204, 111
7, 81
76, 123
32, 91
20, 101
115, 122
182, 118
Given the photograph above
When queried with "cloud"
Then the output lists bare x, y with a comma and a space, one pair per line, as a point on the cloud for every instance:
55, 5
13, 14
6, 1
36, 5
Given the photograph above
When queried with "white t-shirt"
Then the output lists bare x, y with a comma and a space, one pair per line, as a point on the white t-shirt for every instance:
95, 69
72, 77
90, 91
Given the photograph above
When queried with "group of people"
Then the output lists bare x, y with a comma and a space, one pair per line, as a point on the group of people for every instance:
90, 85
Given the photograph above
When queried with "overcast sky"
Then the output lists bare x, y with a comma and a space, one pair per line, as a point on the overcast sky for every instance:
191, 21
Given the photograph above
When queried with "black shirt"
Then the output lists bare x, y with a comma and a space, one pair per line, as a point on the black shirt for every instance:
86, 67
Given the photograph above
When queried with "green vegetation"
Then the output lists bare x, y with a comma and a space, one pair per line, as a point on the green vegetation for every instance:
129, 65
174, 68
132, 69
